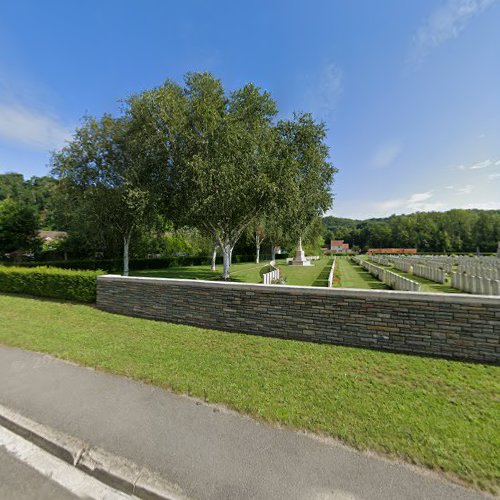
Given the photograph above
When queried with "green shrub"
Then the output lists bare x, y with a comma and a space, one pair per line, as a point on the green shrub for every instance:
50, 282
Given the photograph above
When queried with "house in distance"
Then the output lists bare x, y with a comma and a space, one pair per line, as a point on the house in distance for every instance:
338, 246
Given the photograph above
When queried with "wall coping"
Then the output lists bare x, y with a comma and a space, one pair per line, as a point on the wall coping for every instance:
453, 298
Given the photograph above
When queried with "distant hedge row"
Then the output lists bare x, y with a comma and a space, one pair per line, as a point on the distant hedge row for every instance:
50, 282
115, 265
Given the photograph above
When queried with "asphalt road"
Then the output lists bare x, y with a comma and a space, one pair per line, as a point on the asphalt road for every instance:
210, 453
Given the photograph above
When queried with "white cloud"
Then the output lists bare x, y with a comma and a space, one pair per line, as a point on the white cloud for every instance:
466, 189
31, 127
494, 176
445, 23
385, 154
449, 187
416, 202
420, 197
482, 164
324, 92
479, 165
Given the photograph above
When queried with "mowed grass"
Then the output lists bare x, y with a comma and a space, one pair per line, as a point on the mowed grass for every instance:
351, 275
433, 412
247, 272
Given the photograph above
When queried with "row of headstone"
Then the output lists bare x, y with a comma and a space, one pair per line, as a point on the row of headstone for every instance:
430, 273
403, 265
478, 270
331, 276
475, 284
380, 259
391, 279
268, 278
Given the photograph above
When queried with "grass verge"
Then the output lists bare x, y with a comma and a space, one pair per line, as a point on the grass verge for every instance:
433, 412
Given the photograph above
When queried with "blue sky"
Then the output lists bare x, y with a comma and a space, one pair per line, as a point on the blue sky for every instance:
409, 89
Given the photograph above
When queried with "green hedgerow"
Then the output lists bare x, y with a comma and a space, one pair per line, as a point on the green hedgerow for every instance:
50, 282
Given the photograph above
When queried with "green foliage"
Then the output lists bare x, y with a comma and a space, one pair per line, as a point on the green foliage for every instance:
222, 162
456, 230
265, 269
101, 172
18, 224
50, 282
36, 193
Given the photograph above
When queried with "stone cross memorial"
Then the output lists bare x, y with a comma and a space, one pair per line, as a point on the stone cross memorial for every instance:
300, 259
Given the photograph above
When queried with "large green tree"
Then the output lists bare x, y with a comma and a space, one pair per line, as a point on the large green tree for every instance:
102, 175
223, 163
214, 153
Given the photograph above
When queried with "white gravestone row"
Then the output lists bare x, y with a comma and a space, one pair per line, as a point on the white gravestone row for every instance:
331, 276
430, 273
394, 280
479, 270
475, 284
416, 266
271, 276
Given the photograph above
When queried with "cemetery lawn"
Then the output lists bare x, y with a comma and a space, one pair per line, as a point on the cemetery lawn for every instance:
433, 412
248, 272
351, 275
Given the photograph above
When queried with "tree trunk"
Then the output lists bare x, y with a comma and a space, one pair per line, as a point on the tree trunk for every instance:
273, 252
214, 256
227, 252
257, 249
126, 243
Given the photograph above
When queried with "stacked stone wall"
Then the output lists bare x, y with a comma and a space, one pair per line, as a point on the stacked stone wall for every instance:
448, 325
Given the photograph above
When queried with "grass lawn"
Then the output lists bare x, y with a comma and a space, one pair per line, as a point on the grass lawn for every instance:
438, 413
350, 275
248, 272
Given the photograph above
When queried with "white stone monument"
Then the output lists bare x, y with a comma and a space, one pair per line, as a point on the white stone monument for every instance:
300, 259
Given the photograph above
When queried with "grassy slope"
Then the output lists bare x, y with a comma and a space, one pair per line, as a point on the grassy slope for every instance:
439, 413
247, 272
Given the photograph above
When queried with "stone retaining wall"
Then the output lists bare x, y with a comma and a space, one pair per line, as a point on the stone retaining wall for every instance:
449, 325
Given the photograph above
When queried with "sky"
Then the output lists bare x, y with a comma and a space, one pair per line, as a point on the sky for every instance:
409, 89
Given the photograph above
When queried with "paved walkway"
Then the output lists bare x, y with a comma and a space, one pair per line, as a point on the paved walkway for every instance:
210, 453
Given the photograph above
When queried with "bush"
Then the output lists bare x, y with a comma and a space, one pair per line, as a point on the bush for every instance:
50, 282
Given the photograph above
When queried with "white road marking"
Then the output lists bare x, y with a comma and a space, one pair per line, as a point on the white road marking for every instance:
70, 478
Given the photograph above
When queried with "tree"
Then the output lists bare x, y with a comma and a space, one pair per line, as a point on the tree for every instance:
215, 154
306, 175
18, 225
102, 172
259, 232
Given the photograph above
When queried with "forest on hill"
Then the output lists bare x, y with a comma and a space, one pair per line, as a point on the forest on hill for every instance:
39, 206
456, 230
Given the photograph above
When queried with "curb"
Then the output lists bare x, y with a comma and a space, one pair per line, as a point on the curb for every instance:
120, 473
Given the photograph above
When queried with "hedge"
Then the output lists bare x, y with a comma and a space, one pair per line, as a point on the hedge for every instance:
50, 282
116, 265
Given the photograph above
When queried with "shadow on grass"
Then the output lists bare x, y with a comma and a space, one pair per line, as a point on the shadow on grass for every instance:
367, 278
188, 272
322, 279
